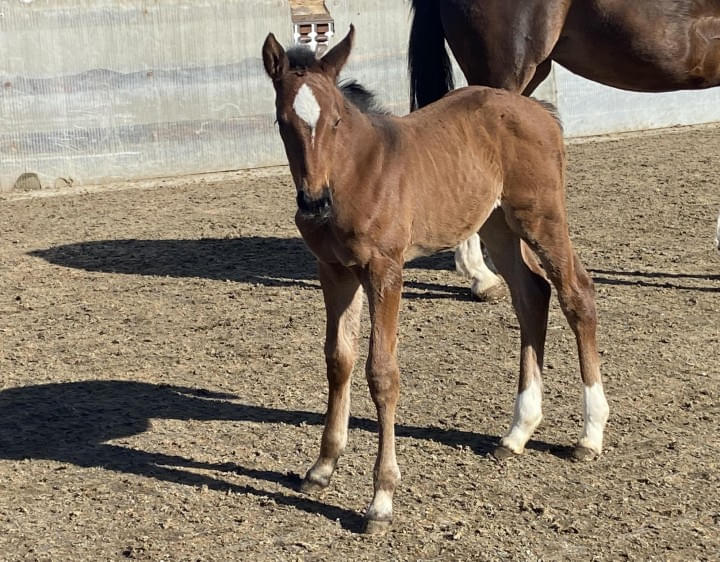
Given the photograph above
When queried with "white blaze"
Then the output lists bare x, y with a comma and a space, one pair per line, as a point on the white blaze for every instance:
307, 107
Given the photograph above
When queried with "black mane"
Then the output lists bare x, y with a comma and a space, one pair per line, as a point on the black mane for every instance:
361, 97
301, 58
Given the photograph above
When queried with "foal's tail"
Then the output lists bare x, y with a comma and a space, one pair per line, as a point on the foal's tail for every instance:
428, 61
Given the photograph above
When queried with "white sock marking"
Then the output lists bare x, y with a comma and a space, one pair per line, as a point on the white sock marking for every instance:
469, 261
595, 413
307, 107
527, 416
381, 506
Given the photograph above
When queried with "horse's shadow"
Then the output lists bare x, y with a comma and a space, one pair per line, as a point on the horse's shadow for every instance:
269, 261
657, 279
284, 262
73, 422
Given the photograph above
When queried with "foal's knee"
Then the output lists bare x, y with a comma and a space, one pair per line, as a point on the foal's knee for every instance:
383, 378
339, 362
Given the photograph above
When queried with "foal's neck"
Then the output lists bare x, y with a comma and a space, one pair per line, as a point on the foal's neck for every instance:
361, 148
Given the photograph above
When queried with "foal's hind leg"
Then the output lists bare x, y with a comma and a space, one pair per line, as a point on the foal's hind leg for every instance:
550, 240
530, 294
343, 305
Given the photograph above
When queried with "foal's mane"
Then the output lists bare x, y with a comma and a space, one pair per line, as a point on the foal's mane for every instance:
551, 109
303, 59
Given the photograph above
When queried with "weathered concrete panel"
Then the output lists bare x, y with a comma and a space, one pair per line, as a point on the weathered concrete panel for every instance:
98, 90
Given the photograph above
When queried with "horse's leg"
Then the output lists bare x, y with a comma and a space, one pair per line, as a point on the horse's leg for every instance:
383, 284
530, 294
490, 56
542, 71
550, 240
469, 261
343, 305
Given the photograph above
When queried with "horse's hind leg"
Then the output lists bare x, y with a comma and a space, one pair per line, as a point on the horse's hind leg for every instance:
469, 261
343, 306
550, 240
530, 294
577, 300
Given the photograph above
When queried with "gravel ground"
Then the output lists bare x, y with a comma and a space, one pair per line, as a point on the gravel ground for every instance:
162, 386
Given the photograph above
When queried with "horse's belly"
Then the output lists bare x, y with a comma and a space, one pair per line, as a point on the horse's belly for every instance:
641, 46
445, 230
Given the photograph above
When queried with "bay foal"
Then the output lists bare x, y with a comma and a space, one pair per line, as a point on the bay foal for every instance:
643, 46
375, 190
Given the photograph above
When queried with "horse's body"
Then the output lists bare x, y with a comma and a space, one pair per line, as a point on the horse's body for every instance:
640, 45
375, 190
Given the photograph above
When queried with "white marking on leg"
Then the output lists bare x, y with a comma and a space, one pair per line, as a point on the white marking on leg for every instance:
595, 414
527, 416
469, 261
717, 234
307, 108
381, 507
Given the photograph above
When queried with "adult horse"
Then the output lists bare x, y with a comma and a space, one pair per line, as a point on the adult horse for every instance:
639, 45
375, 190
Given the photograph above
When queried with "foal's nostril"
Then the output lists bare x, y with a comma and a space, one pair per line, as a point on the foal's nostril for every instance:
314, 206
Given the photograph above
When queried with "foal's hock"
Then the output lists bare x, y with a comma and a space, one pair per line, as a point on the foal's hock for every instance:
375, 190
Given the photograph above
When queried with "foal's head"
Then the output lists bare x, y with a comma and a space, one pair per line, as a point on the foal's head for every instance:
310, 110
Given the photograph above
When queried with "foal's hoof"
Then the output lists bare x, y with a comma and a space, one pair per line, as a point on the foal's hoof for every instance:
376, 527
583, 454
493, 293
312, 486
501, 453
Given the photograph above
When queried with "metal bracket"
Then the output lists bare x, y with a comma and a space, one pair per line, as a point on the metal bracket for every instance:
312, 24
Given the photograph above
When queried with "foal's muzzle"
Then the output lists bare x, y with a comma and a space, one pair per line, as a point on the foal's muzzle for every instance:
317, 207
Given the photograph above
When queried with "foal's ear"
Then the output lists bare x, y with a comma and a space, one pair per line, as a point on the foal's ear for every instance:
336, 58
274, 58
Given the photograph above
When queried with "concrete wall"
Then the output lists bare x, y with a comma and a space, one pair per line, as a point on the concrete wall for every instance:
99, 90
588, 108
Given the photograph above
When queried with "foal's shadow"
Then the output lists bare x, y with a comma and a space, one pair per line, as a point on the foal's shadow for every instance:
72, 423
267, 260
286, 262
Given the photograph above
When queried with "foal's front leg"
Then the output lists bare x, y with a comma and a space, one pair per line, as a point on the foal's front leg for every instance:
383, 284
343, 305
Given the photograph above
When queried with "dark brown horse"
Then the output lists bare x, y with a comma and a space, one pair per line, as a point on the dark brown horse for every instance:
640, 45
375, 190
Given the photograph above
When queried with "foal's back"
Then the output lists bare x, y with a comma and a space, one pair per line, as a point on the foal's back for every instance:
470, 152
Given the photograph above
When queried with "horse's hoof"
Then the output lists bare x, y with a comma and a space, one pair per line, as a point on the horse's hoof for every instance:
376, 527
493, 293
501, 453
309, 486
583, 454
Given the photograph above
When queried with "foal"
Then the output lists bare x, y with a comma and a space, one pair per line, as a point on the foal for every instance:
375, 190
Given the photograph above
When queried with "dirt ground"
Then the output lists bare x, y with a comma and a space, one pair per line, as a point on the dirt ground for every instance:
162, 386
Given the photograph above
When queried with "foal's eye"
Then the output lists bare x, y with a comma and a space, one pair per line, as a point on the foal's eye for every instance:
337, 123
